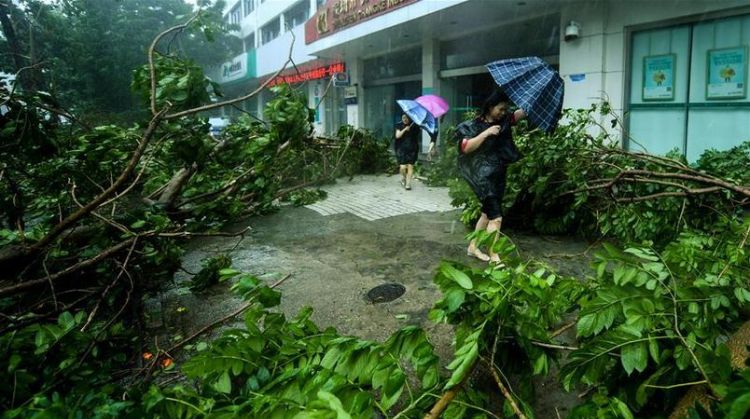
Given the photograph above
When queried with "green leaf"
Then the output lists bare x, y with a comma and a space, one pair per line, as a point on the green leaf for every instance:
634, 356
622, 408
224, 383
334, 404
138, 224
740, 407
541, 365
463, 366
653, 349
453, 299
461, 278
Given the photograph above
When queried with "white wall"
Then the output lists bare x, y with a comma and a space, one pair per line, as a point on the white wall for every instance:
271, 56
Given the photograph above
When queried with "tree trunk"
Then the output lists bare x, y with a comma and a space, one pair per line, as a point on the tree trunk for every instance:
172, 191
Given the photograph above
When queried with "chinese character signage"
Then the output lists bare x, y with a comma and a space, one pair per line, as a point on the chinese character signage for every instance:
335, 15
295, 76
727, 71
658, 77
240, 67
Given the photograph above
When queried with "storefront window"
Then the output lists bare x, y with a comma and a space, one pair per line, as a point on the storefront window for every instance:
398, 64
381, 108
539, 36
335, 110
688, 87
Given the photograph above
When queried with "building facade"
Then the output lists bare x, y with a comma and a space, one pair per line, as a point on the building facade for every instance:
674, 71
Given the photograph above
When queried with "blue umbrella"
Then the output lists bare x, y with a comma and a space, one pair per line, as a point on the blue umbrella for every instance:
532, 85
419, 114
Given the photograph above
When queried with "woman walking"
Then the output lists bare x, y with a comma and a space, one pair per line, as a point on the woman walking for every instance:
485, 150
407, 149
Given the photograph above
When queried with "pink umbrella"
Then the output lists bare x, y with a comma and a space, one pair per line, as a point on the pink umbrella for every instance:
435, 104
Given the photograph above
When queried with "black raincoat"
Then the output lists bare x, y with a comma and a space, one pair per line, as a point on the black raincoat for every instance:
484, 168
407, 147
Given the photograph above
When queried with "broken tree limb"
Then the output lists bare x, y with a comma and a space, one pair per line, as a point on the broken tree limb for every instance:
449, 395
14, 289
152, 68
231, 315
227, 102
12, 254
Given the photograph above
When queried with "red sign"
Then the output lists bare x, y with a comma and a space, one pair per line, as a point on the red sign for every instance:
311, 74
336, 15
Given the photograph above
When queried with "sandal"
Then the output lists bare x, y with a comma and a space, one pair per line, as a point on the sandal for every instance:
496, 262
476, 253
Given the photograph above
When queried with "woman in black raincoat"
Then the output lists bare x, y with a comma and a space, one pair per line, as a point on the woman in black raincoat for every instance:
485, 149
407, 148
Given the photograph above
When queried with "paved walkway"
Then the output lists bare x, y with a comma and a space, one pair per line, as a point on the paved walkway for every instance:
376, 197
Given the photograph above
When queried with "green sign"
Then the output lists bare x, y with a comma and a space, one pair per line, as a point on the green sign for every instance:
658, 77
727, 72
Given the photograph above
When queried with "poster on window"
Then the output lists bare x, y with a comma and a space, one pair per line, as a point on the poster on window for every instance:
727, 69
658, 77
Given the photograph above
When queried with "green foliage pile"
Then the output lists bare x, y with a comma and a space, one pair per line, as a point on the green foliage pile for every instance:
369, 154
653, 320
305, 197
91, 219
210, 272
546, 190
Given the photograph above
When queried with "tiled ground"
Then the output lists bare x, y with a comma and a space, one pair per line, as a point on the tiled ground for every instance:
376, 197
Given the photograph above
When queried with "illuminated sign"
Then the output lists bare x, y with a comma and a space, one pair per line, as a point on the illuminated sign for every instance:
239, 68
336, 15
312, 74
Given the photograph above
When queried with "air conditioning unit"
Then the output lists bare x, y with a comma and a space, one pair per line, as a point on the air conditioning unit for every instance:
340, 79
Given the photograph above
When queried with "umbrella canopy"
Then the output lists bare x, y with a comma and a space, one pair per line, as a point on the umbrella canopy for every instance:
435, 104
419, 114
532, 85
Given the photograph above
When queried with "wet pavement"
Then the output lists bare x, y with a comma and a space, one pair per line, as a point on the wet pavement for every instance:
337, 251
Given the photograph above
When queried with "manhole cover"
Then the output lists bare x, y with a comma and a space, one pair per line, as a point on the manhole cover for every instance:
385, 293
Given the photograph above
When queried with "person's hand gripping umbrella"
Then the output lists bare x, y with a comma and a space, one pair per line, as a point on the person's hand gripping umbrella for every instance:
418, 114
533, 86
437, 106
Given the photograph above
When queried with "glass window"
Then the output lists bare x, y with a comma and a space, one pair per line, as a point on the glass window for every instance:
382, 112
297, 15
249, 6
671, 104
398, 64
250, 42
270, 31
483, 47
235, 15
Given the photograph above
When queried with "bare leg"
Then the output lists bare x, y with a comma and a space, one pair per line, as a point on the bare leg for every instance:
409, 175
493, 226
402, 171
473, 250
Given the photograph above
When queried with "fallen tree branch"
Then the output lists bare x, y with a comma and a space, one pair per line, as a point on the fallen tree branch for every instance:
447, 397
109, 288
500, 384
210, 326
504, 390
12, 254
152, 68
106, 253
232, 101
